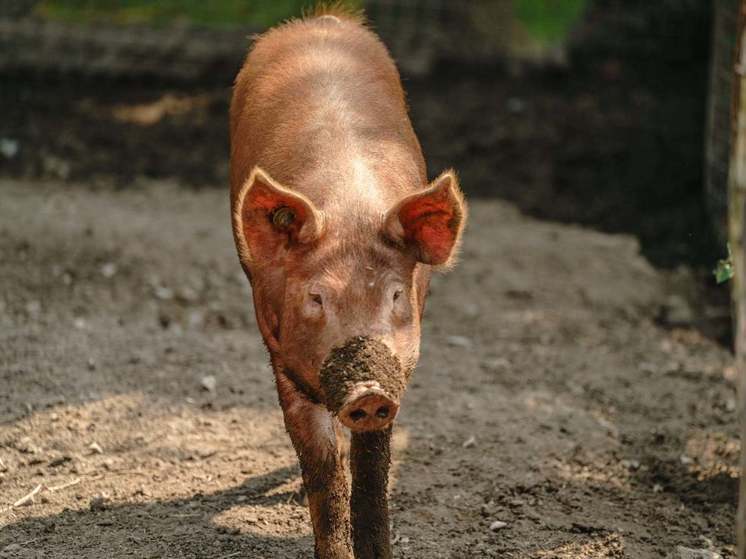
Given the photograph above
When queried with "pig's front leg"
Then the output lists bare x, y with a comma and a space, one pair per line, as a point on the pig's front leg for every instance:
370, 457
312, 431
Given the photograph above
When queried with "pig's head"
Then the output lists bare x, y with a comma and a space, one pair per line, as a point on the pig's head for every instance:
330, 287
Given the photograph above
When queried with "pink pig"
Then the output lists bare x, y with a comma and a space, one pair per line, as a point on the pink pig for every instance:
338, 231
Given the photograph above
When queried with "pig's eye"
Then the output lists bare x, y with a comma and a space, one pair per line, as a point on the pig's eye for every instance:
400, 307
313, 305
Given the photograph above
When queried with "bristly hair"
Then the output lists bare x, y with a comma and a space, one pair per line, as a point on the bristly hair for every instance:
336, 8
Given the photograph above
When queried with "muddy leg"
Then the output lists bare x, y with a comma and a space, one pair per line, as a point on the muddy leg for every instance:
370, 457
312, 432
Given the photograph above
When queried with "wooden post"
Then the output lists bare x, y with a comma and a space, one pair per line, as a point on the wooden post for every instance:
737, 234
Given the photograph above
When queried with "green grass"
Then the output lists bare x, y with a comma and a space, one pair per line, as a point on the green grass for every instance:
215, 13
550, 21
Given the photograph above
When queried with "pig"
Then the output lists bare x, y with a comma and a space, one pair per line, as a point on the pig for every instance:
338, 231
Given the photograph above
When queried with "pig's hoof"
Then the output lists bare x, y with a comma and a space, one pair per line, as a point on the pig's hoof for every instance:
368, 410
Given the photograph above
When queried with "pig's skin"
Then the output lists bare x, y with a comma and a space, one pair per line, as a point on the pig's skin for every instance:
337, 231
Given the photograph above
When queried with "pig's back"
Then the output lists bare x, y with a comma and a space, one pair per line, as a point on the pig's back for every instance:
316, 101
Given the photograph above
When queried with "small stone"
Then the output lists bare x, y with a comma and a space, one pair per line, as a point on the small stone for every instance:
470, 442
488, 509
58, 461
9, 147
188, 294
459, 341
498, 525
687, 553
209, 383
196, 318
495, 364
206, 453
163, 293
95, 448
26, 446
108, 270
33, 308
686, 460
471, 310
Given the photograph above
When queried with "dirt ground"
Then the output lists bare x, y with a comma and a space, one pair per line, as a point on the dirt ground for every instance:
561, 391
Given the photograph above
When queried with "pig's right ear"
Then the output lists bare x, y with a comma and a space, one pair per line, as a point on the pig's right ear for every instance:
269, 218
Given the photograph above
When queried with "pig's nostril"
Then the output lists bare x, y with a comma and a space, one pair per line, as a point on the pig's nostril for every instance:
357, 415
383, 412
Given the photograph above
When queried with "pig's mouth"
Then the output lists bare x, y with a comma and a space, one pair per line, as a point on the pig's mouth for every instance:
362, 383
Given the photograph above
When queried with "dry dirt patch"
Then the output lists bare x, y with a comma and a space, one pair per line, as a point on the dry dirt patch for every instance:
547, 398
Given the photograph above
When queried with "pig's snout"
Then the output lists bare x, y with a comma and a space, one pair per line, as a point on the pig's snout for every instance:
363, 383
368, 408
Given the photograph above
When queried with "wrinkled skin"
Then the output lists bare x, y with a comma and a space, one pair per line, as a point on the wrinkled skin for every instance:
338, 230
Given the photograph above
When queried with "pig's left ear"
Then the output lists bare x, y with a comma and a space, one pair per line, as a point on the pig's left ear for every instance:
430, 221
268, 218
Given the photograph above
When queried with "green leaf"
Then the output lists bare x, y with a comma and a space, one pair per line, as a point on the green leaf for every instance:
549, 21
724, 269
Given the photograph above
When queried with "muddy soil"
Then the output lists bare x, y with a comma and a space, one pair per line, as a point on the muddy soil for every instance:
550, 397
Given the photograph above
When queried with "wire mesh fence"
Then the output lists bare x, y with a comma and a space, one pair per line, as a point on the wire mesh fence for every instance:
418, 32
666, 44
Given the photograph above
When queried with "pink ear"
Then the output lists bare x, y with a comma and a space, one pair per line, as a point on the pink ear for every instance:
430, 221
269, 218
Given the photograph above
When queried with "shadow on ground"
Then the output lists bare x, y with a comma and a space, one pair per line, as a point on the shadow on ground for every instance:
170, 528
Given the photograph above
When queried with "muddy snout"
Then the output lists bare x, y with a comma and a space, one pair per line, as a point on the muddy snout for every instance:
363, 384
368, 408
